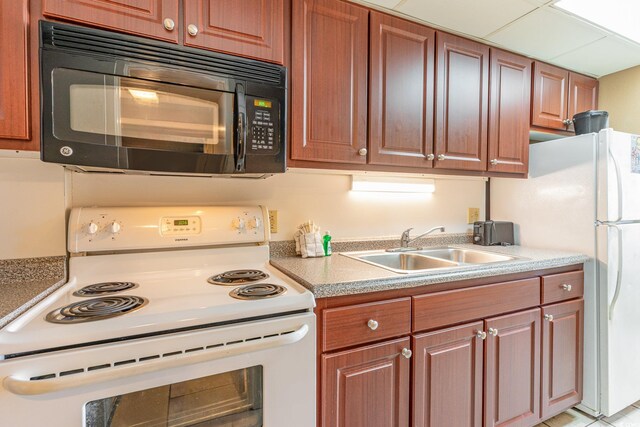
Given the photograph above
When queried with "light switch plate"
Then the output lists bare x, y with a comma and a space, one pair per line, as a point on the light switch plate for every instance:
273, 221
473, 215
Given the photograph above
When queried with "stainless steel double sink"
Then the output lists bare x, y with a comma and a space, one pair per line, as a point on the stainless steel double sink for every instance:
428, 259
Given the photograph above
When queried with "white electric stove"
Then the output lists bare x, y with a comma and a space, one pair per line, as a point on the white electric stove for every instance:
158, 300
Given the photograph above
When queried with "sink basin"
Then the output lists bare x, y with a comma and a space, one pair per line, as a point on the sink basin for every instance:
465, 256
406, 261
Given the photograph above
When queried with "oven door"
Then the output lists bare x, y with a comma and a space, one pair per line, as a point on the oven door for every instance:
254, 374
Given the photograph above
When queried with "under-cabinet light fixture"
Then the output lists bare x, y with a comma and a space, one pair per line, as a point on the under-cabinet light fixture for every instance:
618, 16
392, 184
144, 95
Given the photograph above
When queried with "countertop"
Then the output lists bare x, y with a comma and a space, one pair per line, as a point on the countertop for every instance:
339, 275
25, 282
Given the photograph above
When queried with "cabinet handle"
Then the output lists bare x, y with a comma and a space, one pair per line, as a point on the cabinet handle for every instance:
168, 23
441, 157
494, 162
362, 152
407, 353
481, 334
567, 122
566, 287
548, 317
430, 156
493, 332
192, 30
372, 324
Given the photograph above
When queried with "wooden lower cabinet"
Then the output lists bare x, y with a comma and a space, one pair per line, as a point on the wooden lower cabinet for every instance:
367, 386
447, 377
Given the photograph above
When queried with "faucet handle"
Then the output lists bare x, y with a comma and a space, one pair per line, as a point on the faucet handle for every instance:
404, 239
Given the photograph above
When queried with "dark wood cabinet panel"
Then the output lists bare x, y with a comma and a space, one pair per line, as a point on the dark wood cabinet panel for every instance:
140, 17
512, 369
250, 28
329, 81
549, 103
462, 91
562, 287
509, 112
562, 341
447, 377
15, 114
583, 95
401, 92
367, 386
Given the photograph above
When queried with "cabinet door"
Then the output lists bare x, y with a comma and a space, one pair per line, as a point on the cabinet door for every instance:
329, 81
251, 28
401, 92
461, 103
366, 386
512, 369
14, 71
550, 88
583, 95
562, 337
447, 377
509, 111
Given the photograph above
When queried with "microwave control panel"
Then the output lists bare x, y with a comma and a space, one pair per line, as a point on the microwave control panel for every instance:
263, 118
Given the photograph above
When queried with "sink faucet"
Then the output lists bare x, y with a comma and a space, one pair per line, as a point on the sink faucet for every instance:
406, 240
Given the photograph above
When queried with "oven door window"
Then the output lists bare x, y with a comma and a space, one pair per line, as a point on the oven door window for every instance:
222, 400
128, 112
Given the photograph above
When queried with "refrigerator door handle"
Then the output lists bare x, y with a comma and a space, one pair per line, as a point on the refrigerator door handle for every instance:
616, 293
619, 185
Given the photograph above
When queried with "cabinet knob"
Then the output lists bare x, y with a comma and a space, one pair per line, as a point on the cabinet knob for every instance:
192, 30
168, 23
407, 353
548, 317
481, 334
493, 332
441, 157
566, 287
567, 122
494, 162
430, 156
362, 152
372, 324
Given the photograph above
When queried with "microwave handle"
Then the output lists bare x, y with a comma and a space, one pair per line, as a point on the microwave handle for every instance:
241, 128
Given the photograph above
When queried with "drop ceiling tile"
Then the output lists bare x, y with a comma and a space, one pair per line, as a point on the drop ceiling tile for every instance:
602, 57
389, 4
477, 18
546, 33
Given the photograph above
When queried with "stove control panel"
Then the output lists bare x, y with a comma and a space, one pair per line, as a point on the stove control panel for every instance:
180, 226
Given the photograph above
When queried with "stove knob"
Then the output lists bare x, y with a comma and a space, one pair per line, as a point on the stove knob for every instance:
255, 223
115, 227
238, 224
92, 228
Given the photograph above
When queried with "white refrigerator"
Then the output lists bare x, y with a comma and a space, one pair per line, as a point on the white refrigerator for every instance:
583, 195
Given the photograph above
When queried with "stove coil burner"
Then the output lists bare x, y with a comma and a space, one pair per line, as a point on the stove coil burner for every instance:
104, 288
237, 277
96, 309
258, 291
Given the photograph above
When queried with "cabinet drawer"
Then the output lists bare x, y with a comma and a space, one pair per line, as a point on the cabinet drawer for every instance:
447, 308
347, 326
563, 286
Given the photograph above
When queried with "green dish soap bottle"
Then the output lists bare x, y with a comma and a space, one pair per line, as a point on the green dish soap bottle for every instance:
326, 243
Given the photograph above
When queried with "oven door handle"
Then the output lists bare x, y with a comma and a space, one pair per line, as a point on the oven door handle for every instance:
27, 387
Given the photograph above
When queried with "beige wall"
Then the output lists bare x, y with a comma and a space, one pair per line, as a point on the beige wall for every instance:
620, 96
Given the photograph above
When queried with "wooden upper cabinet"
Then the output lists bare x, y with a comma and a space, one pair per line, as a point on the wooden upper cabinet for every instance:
512, 369
509, 111
583, 95
549, 105
140, 17
250, 28
15, 115
562, 341
462, 93
367, 386
400, 92
447, 377
329, 81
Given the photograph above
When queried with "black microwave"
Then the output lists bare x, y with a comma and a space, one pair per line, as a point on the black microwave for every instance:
113, 102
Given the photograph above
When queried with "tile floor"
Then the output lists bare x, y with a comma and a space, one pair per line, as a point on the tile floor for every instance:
629, 417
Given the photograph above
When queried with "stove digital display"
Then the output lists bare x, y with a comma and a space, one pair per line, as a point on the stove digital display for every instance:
180, 222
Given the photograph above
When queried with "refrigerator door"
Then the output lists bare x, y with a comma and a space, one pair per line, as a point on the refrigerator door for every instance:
618, 256
618, 176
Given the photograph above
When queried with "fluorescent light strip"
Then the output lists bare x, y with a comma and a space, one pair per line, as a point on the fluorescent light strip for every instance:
392, 184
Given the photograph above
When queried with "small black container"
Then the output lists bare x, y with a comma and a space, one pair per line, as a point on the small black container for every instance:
590, 121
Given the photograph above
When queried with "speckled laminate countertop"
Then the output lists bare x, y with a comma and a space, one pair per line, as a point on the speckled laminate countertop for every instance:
25, 282
340, 275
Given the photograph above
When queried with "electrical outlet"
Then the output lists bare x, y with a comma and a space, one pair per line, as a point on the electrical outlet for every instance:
273, 221
473, 215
